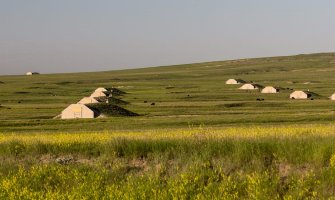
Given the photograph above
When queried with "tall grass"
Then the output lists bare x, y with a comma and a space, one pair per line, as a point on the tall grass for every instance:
198, 163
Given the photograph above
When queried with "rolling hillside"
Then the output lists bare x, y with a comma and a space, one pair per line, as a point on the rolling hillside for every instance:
184, 95
174, 132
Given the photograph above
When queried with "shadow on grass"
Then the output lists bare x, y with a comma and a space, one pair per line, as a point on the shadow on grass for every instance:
111, 110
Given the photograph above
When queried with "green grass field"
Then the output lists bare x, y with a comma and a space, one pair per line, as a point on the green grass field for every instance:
184, 95
202, 139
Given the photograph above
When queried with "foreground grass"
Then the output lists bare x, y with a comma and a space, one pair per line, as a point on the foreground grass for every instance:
292, 162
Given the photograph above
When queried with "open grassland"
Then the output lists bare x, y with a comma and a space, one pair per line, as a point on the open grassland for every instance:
184, 95
272, 149
284, 162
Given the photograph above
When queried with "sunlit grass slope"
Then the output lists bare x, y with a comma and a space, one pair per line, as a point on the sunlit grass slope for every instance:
184, 95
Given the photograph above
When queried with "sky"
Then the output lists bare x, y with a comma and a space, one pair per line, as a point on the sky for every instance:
56, 36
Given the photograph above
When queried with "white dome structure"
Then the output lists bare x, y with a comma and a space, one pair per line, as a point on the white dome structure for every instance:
269, 90
88, 100
32, 73
299, 95
77, 111
234, 81
99, 92
249, 86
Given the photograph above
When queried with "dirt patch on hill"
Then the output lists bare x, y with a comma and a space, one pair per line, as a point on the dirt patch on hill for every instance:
21, 92
64, 83
66, 160
232, 105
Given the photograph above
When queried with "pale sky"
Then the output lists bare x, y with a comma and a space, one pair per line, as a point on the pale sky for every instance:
51, 36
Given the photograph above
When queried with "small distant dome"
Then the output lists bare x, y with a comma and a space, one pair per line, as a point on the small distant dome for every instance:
234, 81
270, 89
299, 95
249, 86
332, 97
32, 73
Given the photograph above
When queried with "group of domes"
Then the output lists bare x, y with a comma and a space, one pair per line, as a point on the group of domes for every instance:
80, 110
270, 89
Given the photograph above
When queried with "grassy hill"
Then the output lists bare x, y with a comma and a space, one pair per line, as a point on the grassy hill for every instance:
195, 137
184, 95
